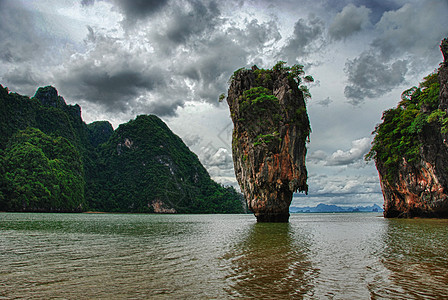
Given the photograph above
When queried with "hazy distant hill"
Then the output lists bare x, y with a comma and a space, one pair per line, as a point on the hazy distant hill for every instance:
325, 208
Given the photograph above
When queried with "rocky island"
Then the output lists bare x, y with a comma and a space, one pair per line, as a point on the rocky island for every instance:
271, 127
410, 149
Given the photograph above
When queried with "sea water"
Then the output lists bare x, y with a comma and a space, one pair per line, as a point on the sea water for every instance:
314, 256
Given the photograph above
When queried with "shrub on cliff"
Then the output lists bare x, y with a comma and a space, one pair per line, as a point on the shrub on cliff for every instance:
261, 109
397, 137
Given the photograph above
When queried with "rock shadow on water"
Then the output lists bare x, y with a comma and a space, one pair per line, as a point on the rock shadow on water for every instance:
270, 262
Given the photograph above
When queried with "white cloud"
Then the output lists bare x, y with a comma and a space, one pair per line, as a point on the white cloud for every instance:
213, 157
415, 28
355, 154
316, 156
341, 190
350, 20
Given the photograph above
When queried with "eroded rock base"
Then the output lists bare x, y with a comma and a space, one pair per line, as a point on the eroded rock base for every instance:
416, 213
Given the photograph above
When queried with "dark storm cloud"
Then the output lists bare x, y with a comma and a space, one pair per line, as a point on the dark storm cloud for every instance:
307, 38
378, 7
116, 91
191, 22
138, 9
87, 2
190, 59
184, 22
211, 62
350, 20
407, 41
164, 107
113, 76
25, 51
256, 35
370, 76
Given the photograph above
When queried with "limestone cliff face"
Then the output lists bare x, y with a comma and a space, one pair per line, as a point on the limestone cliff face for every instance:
271, 127
418, 192
420, 186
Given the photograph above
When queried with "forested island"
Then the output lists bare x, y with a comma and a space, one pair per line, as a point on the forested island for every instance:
410, 149
52, 161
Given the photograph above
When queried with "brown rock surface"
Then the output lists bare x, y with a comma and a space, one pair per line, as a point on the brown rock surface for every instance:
271, 128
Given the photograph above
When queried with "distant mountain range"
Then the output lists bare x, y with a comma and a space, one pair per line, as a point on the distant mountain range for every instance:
325, 208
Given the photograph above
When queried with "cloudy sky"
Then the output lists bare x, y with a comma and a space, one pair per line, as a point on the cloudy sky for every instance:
172, 58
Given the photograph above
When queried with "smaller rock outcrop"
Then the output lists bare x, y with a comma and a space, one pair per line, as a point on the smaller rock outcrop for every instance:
410, 149
48, 96
99, 132
271, 128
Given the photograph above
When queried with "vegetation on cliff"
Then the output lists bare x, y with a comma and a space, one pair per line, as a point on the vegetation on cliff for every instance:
399, 135
52, 161
261, 109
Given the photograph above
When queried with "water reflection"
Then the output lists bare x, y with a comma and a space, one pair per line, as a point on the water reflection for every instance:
272, 260
315, 256
414, 260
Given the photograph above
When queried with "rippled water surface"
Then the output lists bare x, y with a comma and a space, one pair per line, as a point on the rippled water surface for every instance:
315, 256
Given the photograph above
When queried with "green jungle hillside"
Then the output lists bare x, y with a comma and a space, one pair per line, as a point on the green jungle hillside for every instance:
51, 161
